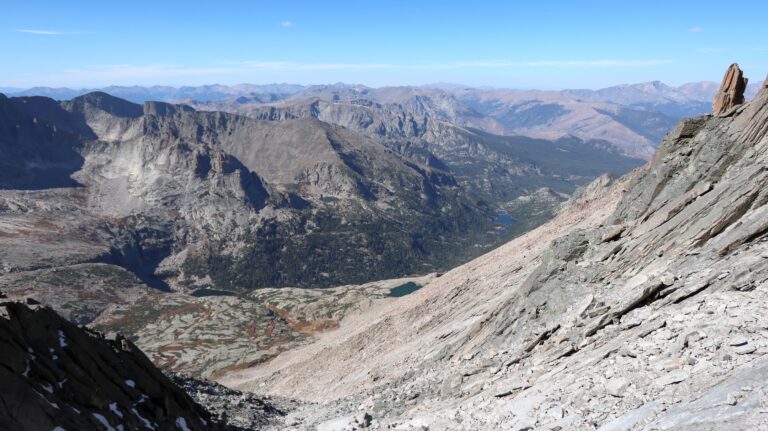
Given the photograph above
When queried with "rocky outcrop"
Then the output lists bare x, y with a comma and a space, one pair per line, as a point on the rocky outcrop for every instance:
639, 307
731, 92
56, 376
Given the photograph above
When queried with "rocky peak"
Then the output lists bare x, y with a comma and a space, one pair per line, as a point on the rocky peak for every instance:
162, 109
731, 91
105, 102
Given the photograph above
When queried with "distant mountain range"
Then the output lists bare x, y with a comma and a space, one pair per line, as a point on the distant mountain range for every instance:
139, 94
633, 117
626, 94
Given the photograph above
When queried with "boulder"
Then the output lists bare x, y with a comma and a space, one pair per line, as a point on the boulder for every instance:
617, 386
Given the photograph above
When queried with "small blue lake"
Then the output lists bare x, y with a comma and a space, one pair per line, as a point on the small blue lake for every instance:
503, 219
404, 289
201, 293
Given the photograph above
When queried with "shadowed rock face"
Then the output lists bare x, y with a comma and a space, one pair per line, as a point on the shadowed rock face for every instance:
731, 92
54, 375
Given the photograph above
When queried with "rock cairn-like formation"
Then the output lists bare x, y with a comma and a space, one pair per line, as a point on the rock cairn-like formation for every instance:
731, 91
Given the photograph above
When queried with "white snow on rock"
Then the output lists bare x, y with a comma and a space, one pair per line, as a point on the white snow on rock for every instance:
113, 408
62, 339
103, 421
182, 424
146, 423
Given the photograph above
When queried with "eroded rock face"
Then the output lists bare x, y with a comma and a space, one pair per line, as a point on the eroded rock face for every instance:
54, 375
731, 91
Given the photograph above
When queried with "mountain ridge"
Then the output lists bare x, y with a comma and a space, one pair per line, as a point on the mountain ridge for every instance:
633, 117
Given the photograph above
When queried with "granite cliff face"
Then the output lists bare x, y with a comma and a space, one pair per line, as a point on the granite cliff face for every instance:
640, 306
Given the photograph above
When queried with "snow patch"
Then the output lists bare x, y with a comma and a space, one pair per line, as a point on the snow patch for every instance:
59, 429
48, 388
103, 421
130, 383
54, 405
62, 339
146, 423
182, 424
113, 408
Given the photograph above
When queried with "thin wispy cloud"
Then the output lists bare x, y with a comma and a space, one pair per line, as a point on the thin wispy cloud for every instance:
695, 30
48, 32
287, 24
41, 32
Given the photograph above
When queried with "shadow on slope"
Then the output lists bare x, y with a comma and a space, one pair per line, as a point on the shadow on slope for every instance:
38, 151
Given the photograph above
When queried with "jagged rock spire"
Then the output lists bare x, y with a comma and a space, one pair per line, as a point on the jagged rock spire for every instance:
731, 91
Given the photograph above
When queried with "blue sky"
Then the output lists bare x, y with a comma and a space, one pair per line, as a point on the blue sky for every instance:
514, 44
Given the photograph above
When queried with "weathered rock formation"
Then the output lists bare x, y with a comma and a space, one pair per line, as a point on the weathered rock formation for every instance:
731, 91
56, 376
640, 307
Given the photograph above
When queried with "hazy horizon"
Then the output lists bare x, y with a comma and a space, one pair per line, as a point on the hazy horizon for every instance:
441, 85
